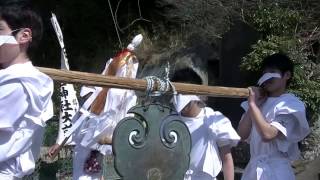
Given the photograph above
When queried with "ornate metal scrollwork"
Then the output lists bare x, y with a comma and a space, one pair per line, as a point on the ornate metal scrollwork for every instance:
153, 144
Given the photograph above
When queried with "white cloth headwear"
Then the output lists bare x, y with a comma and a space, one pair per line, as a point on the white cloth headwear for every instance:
183, 100
267, 76
135, 42
7, 39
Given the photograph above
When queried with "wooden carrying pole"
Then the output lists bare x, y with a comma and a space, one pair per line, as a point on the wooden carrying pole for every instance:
91, 79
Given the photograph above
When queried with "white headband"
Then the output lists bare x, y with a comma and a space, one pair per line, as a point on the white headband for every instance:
183, 100
267, 76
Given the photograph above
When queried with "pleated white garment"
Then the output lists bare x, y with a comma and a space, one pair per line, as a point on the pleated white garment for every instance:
118, 102
25, 106
271, 160
209, 131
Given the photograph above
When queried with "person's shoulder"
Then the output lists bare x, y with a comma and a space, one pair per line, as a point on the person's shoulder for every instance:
37, 73
212, 112
218, 123
30, 77
11, 88
34, 74
291, 99
215, 116
289, 103
24, 70
11, 74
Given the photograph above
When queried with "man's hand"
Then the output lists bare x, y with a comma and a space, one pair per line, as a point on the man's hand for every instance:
105, 140
52, 150
256, 96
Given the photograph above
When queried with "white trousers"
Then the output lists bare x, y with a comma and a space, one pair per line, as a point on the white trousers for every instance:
268, 168
190, 175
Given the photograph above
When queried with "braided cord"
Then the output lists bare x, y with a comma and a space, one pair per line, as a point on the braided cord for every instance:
163, 85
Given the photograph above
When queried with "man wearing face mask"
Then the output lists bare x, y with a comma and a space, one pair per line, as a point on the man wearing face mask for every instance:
25, 92
274, 122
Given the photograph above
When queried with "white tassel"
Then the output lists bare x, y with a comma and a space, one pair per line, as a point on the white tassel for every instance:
136, 41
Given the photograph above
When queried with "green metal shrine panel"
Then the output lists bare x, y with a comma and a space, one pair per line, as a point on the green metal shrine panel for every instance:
151, 145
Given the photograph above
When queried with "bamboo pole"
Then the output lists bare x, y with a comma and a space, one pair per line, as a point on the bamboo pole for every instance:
91, 79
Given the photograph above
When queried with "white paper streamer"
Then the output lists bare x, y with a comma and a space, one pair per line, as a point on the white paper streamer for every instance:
136, 41
69, 101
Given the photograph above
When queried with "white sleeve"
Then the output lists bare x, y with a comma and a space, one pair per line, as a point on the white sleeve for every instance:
287, 124
224, 132
13, 104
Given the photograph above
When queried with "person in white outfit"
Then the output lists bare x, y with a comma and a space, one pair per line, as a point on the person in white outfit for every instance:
212, 137
25, 98
93, 139
274, 122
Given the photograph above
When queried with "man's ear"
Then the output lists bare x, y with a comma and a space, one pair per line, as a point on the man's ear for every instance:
287, 75
24, 36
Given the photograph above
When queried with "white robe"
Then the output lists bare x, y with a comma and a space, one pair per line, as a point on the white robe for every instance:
271, 160
25, 105
209, 131
118, 102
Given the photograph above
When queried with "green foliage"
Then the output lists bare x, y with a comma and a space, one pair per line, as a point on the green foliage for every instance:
277, 26
303, 85
272, 19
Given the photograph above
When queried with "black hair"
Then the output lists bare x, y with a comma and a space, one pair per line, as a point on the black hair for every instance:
278, 61
20, 15
189, 76
186, 75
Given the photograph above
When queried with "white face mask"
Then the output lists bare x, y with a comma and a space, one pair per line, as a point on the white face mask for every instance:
7, 39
